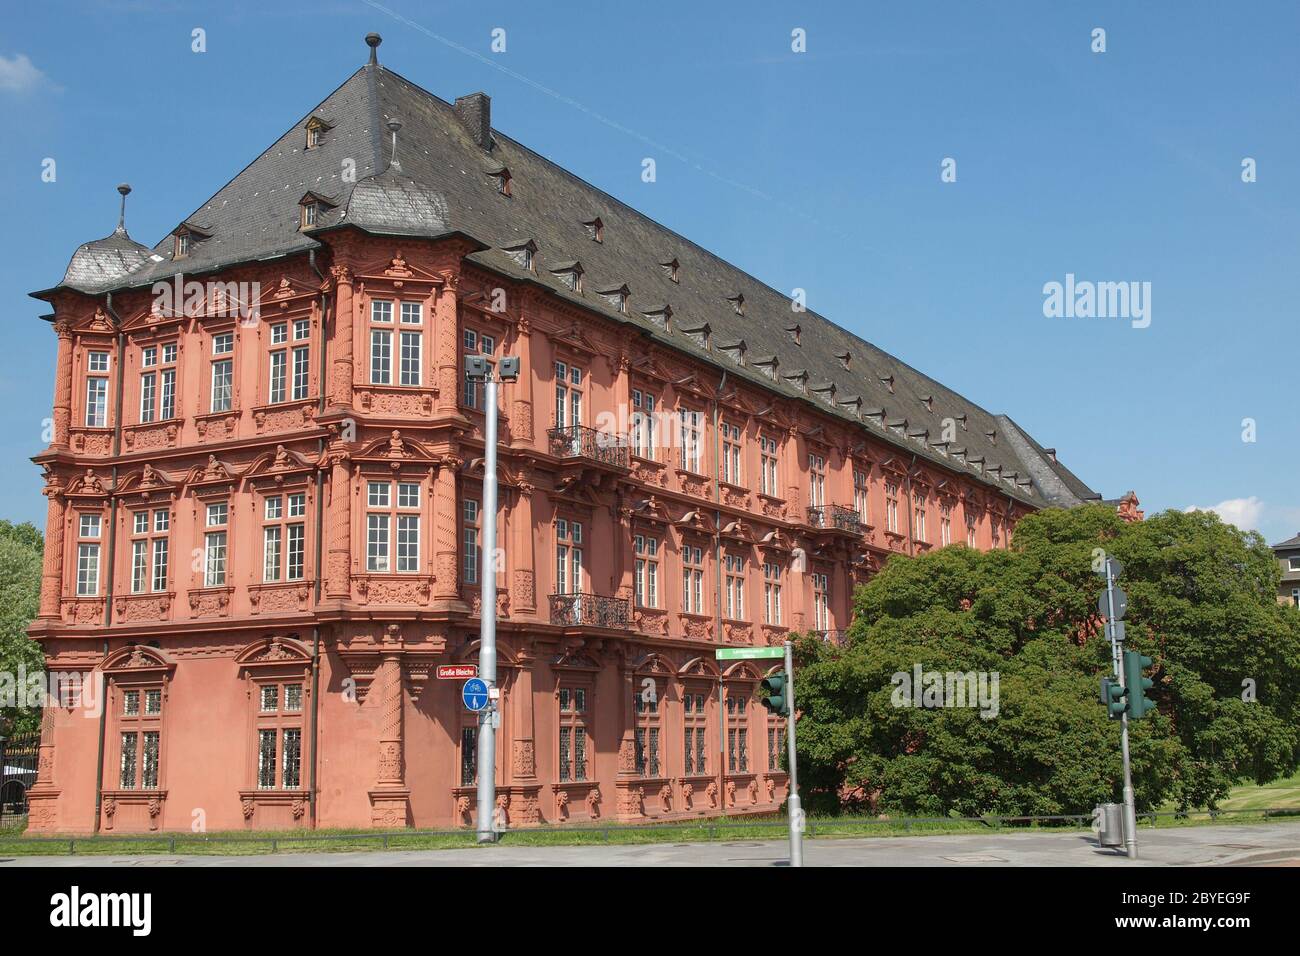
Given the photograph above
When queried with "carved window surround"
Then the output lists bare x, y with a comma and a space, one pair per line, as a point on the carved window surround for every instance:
145, 606
221, 425
280, 596
210, 602
696, 627
284, 416
393, 588
111, 801
397, 399
86, 440
162, 434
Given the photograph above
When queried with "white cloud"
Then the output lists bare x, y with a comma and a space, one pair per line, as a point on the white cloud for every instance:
1245, 513
18, 74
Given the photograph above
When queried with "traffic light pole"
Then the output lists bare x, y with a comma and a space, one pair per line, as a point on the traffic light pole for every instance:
1130, 812
487, 633
794, 808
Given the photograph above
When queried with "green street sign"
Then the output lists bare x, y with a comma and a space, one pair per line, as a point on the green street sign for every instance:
748, 653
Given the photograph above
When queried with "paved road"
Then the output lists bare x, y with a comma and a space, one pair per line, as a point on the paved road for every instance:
1275, 844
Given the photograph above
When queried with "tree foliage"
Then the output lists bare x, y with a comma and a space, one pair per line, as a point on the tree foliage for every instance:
1201, 603
21, 549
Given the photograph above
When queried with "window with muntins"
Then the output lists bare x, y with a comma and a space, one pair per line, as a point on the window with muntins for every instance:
573, 734
149, 549
393, 526
647, 570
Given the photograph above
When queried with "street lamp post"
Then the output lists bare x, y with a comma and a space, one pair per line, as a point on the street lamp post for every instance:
477, 367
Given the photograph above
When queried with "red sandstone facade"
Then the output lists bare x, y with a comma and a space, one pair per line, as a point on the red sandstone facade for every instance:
262, 534
281, 692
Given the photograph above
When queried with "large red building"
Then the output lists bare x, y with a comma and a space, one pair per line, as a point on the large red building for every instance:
265, 480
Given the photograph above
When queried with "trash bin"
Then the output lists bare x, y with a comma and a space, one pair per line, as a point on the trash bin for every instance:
1108, 824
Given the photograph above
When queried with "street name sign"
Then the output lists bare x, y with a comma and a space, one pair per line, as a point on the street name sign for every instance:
748, 653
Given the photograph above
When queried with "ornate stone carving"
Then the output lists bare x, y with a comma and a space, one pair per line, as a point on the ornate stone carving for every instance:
711, 791
248, 807
695, 626
688, 795
525, 762
521, 420
739, 632
666, 798
593, 801
209, 603
145, 437
731, 793
650, 620
753, 791
525, 590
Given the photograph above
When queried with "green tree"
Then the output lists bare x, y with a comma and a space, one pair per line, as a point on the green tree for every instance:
21, 549
1200, 603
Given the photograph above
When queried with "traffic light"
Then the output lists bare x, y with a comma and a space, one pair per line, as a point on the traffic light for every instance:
1112, 695
1138, 703
774, 693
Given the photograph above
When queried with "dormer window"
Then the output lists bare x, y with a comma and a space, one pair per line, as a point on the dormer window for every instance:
699, 334
313, 207
992, 436
671, 269
799, 379
737, 303
617, 297
316, 130
767, 365
899, 427
844, 358
570, 275
187, 236
661, 316
595, 229
928, 402
734, 351
523, 253
825, 392
794, 331
888, 382
501, 176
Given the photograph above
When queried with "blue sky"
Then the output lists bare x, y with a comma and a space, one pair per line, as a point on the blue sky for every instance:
818, 170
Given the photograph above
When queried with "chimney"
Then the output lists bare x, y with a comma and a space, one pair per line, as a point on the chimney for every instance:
475, 112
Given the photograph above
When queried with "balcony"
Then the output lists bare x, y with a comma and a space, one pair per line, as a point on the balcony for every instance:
835, 518
590, 610
582, 443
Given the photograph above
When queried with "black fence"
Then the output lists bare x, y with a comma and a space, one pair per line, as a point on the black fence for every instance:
18, 756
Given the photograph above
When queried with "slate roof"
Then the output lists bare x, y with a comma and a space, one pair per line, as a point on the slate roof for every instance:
444, 183
1288, 543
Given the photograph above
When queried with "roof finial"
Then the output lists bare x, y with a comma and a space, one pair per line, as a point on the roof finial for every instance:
394, 125
373, 40
122, 188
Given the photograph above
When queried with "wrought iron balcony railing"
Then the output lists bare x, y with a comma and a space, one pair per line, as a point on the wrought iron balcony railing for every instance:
580, 441
594, 610
835, 518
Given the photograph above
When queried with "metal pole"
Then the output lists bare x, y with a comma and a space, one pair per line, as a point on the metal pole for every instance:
795, 809
1117, 657
487, 649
